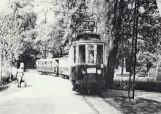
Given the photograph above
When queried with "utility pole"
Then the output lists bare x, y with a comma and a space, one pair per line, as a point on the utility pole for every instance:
134, 50
11, 57
0, 62
45, 51
1, 49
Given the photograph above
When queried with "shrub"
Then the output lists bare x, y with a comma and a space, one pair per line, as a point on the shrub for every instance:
149, 86
139, 85
5, 77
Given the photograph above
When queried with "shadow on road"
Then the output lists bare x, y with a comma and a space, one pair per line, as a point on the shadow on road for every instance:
2, 88
89, 93
28, 86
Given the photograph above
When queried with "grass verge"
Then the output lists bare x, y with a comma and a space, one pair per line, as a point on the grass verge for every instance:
136, 106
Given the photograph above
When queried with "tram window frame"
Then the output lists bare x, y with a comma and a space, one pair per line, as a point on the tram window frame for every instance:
89, 54
45, 62
82, 55
101, 55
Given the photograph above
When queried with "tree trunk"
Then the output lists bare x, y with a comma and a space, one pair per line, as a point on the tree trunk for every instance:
117, 28
111, 67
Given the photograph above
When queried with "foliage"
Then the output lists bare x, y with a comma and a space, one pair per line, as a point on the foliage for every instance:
148, 45
35, 28
144, 84
149, 37
135, 106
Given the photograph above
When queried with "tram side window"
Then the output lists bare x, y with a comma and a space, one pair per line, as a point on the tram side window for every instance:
99, 53
51, 63
82, 55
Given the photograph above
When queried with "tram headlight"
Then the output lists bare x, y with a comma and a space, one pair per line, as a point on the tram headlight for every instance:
99, 71
83, 72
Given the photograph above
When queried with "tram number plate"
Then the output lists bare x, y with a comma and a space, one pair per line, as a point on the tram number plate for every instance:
91, 70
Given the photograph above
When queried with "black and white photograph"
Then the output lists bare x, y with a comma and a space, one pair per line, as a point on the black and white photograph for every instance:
80, 56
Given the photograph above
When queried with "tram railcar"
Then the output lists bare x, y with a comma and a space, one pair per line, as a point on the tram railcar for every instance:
54, 66
64, 67
47, 66
87, 61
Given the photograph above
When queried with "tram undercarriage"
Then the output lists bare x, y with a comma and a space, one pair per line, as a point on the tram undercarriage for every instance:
80, 85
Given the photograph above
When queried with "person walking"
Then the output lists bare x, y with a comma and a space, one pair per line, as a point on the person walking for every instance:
20, 76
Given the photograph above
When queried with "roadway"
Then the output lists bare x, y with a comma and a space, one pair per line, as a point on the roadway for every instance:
50, 95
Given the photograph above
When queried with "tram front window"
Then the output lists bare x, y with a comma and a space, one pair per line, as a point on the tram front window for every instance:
82, 54
90, 53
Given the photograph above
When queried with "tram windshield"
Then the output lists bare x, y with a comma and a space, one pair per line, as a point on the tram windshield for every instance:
90, 53
82, 54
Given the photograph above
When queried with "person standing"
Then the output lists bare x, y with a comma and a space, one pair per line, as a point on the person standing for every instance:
20, 76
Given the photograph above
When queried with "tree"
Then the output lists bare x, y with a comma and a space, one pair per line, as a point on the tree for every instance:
16, 24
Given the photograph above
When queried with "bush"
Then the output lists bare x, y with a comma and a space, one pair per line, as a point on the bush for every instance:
149, 86
5, 77
139, 85
5, 80
121, 84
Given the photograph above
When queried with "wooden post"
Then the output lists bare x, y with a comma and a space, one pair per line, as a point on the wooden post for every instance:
45, 51
0, 64
57, 67
1, 48
134, 51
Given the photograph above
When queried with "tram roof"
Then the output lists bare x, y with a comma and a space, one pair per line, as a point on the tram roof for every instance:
47, 59
88, 41
60, 58
87, 36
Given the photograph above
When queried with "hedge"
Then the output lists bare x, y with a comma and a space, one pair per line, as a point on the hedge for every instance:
149, 86
139, 85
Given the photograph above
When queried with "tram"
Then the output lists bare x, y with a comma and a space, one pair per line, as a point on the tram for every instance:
85, 65
47, 66
87, 58
54, 66
64, 67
